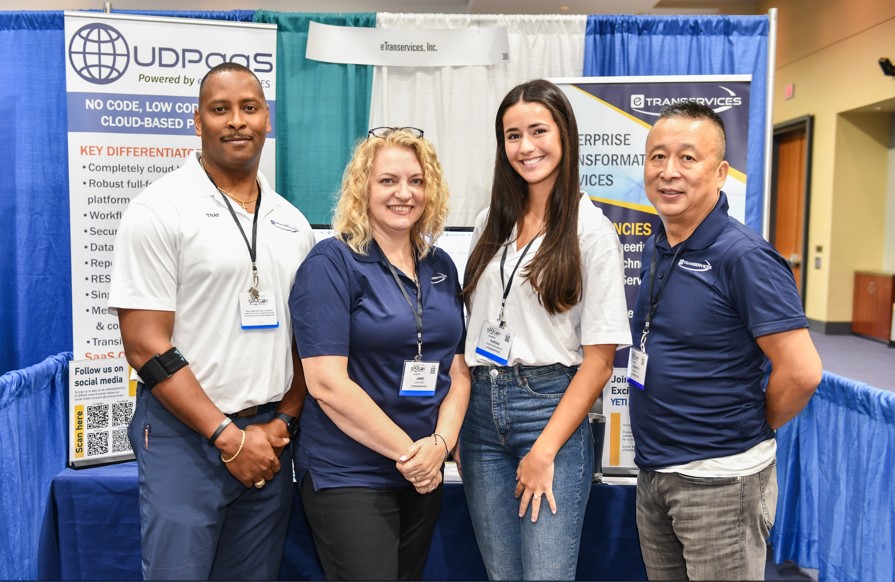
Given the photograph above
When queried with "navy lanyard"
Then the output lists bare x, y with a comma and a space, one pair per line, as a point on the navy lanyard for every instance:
253, 247
418, 311
654, 300
506, 285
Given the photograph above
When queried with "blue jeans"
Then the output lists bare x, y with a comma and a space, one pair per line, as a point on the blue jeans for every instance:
508, 409
696, 528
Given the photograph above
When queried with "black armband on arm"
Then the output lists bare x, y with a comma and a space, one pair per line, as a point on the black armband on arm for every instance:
161, 367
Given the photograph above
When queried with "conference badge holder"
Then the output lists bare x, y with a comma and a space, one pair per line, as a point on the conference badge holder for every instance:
418, 378
495, 339
637, 368
257, 309
494, 343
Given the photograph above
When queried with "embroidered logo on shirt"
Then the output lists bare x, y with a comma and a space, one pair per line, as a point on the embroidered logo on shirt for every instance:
287, 227
691, 266
438, 278
212, 215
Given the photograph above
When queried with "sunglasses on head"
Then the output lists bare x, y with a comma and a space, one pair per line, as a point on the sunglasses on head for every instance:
384, 132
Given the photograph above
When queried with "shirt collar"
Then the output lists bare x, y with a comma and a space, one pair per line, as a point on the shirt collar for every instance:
269, 202
375, 255
708, 230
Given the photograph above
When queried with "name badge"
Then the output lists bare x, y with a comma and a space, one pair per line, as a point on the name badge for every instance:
637, 368
258, 312
494, 343
419, 378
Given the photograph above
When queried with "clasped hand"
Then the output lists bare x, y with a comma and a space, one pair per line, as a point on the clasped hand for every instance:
421, 464
259, 458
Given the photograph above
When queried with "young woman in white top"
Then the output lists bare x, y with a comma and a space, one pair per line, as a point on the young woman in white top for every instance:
547, 312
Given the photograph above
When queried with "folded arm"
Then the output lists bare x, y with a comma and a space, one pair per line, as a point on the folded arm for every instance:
796, 371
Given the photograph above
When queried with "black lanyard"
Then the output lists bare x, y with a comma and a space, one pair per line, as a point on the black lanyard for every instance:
654, 301
253, 247
418, 312
506, 285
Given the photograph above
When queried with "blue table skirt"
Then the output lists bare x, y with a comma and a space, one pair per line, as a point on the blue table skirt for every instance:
91, 531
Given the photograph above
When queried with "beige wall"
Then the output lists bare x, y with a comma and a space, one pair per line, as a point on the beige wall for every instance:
830, 50
889, 241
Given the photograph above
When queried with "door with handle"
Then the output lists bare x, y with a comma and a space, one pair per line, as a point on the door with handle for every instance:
791, 166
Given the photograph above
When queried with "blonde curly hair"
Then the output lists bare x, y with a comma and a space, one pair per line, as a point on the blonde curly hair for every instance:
351, 221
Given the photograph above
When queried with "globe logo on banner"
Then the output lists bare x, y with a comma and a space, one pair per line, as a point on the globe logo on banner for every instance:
98, 53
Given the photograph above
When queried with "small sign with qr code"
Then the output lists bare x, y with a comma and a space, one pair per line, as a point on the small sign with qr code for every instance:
101, 404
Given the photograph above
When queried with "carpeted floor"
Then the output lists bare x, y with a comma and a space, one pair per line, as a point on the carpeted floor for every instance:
857, 358
787, 571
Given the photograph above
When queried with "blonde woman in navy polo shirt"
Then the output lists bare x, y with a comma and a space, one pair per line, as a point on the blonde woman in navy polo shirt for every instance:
379, 328
546, 315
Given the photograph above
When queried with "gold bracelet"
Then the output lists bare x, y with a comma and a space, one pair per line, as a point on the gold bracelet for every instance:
239, 450
437, 436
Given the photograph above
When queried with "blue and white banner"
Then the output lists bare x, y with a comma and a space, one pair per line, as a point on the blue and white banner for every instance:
614, 116
132, 89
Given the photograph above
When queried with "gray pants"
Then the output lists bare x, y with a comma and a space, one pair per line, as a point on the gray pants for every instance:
694, 528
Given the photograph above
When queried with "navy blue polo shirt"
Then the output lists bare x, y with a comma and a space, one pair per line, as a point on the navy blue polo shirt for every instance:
346, 304
704, 389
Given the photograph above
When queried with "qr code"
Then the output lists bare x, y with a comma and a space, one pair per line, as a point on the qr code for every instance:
97, 416
97, 443
122, 413
120, 442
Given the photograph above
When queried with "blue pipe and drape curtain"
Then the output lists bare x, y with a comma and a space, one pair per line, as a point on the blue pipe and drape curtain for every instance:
32, 451
35, 277
836, 510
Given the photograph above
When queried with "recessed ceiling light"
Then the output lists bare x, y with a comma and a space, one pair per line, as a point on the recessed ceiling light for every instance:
565, 8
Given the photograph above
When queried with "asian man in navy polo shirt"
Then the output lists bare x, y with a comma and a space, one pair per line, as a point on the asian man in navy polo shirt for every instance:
717, 307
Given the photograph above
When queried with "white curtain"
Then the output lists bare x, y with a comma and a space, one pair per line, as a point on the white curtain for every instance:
455, 106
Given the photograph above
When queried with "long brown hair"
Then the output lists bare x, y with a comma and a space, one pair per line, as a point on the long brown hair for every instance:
555, 270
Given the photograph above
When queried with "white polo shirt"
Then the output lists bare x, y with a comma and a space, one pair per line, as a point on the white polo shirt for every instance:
541, 339
178, 249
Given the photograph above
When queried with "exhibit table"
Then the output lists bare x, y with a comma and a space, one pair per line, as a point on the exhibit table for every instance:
91, 531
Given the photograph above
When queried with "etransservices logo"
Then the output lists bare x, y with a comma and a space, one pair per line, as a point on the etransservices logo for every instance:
724, 100
694, 266
98, 53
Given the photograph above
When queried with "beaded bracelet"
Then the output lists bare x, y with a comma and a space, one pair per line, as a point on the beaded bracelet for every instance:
437, 436
239, 450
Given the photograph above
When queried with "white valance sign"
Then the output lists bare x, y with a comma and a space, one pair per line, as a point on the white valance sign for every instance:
398, 47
